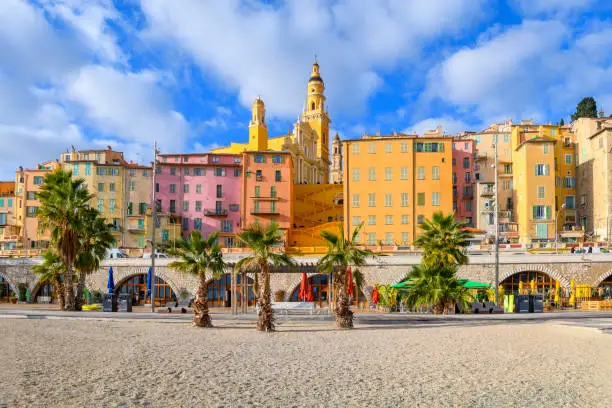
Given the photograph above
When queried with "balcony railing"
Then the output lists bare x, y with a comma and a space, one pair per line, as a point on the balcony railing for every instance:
487, 192
264, 211
215, 213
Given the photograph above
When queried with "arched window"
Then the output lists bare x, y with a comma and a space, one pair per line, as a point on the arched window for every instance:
137, 287
5, 290
543, 282
219, 291
312, 107
320, 292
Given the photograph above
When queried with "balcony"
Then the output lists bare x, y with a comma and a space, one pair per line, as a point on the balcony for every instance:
468, 193
480, 156
487, 192
264, 212
136, 228
572, 231
265, 198
215, 213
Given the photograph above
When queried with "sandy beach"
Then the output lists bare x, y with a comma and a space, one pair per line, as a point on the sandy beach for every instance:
64, 363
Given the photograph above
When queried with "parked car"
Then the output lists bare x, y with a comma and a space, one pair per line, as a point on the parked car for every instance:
115, 253
157, 255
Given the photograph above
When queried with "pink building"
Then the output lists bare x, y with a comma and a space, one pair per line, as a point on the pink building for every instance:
204, 190
463, 174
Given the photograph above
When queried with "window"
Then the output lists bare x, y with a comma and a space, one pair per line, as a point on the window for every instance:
435, 198
185, 205
277, 175
111, 187
466, 162
100, 205
173, 188
388, 200
355, 201
546, 148
219, 172
237, 172
356, 220
356, 174
173, 171
219, 191
388, 238
420, 219
541, 212
388, 220
404, 173
541, 192
454, 161
372, 200
273, 208
568, 159
226, 226
454, 178
371, 238
234, 207
111, 205
185, 223
132, 186
185, 188
570, 202
468, 205
172, 206
404, 147
88, 169
258, 175
157, 187
198, 205
405, 237
420, 199
257, 191
260, 158
256, 206
507, 168
506, 138
388, 173
468, 177
542, 170
355, 148
569, 182
186, 171
435, 173
273, 191
129, 208
142, 208
371, 220
31, 195
31, 211
421, 173
388, 148
141, 240
371, 148
165, 235
372, 174
215, 159
197, 223
454, 147
404, 219
1, 202
277, 159
541, 231
75, 169
404, 199
197, 171
38, 180
198, 188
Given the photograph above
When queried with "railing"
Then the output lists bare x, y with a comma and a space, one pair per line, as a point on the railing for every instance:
264, 212
215, 213
9, 238
21, 253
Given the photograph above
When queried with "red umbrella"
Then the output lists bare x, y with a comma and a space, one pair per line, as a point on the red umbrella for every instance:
310, 296
375, 295
349, 282
303, 293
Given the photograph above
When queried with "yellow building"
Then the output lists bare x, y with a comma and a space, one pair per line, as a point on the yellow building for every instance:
121, 190
393, 183
544, 182
308, 141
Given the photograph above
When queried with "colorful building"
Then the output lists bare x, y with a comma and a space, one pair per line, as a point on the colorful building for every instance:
307, 142
393, 183
267, 189
203, 190
9, 233
463, 179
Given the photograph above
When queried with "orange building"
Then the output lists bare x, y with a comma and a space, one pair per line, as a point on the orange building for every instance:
393, 183
267, 189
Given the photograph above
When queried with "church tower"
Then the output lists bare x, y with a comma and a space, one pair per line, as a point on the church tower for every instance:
258, 130
336, 167
316, 116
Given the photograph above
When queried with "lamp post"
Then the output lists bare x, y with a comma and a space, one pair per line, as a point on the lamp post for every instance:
557, 229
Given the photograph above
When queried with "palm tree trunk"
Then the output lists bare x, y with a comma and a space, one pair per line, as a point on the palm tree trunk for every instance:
266, 314
58, 289
78, 300
68, 289
201, 318
343, 312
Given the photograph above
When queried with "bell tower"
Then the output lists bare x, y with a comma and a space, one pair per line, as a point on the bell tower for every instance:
336, 167
316, 115
258, 130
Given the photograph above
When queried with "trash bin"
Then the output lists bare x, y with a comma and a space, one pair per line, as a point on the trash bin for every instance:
227, 300
125, 302
536, 303
522, 303
109, 303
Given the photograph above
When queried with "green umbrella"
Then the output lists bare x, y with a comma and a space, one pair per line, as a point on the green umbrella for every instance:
401, 285
468, 284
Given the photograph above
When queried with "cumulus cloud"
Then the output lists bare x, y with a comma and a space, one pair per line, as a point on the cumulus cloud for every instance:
559, 8
449, 125
265, 50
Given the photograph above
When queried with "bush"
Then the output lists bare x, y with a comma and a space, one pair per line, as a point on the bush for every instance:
23, 289
96, 296
279, 296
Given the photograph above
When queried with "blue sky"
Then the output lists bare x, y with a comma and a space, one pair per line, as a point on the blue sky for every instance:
93, 73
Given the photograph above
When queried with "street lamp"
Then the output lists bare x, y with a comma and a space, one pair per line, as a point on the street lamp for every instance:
557, 229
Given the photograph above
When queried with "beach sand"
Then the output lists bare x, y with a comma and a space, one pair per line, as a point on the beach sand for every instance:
64, 363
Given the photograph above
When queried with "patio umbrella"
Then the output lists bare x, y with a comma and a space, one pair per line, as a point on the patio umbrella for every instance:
349, 282
572, 299
375, 296
557, 290
149, 279
303, 293
521, 287
533, 286
111, 281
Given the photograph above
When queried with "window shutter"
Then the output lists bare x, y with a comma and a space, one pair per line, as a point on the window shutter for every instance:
535, 213
547, 170
535, 170
548, 212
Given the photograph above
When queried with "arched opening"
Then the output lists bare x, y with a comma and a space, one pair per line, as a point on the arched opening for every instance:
220, 291
43, 293
604, 290
312, 107
5, 290
320, 292
137, 287
544, 283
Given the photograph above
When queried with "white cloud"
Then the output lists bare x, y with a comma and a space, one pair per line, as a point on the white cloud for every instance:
262, 50
449, 126
559, 8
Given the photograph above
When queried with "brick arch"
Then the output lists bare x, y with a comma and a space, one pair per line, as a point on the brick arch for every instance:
121, 274
296, 282
12, 284
507, 272
602, 277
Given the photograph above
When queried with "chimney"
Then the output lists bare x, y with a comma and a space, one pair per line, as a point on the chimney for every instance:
439, 129
109, 148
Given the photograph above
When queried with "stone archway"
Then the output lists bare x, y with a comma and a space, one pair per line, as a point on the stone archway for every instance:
121, 274
602, 278
506, 273
11, 283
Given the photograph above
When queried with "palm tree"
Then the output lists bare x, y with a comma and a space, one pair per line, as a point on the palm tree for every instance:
198, 256
52, 270
341, 254
95, 238
436, 287
443, 241
63, 201
262, 242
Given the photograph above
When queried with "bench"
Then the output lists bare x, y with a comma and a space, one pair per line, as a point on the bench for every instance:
287, 308
43, 299
179, 307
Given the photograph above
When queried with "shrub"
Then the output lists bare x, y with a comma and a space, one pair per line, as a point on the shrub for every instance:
279, 296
